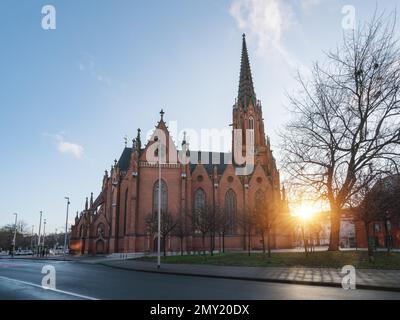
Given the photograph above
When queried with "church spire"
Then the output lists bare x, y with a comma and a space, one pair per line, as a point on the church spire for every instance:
246, 89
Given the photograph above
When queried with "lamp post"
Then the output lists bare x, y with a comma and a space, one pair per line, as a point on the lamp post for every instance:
66, 226
15, 235
44, 234
40, 227
159, 208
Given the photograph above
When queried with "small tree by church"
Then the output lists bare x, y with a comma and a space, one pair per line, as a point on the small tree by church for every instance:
248, 221
203, 223
181, 231
223, 225
168, 224
265, 216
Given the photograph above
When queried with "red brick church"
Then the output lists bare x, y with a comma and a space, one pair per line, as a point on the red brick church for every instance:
116, 220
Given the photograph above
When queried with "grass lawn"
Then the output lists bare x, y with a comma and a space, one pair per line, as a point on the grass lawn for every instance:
359, 259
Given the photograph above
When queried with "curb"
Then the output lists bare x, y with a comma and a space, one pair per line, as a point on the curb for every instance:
270, 280
39, 259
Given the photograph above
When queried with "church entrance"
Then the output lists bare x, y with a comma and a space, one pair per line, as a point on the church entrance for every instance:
100, 247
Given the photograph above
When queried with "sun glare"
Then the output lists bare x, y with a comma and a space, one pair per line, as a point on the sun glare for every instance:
305, 211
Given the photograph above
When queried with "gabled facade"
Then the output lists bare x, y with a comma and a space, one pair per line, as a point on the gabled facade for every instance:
116, 220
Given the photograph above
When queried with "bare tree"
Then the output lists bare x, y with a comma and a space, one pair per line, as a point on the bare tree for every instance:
266, 214
203, 222
168, 224
248, 221
223, 225
347, 119
23, 237
181, 231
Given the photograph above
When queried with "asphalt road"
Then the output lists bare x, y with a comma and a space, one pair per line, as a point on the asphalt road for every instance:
21, 279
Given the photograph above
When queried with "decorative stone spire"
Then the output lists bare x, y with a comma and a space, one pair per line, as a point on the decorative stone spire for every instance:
91, 199
126, 140
246, 89
184, 139
138, 140
87, 203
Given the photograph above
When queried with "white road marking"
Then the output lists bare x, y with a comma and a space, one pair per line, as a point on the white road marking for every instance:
55, 290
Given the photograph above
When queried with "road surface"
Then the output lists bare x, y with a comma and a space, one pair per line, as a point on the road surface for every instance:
21, 279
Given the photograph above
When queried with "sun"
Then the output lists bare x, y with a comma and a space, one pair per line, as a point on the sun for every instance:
305, 211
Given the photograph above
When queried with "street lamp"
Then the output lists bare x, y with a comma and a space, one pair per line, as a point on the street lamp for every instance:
15, 235
40, 227
66, 226
44, 232
159, 207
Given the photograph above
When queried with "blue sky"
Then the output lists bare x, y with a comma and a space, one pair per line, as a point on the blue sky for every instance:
69, 96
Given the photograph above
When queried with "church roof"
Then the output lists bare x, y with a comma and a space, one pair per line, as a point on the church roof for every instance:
208, 159
124, 160
246, 91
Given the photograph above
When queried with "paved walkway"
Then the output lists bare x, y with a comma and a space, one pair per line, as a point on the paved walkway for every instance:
365, 278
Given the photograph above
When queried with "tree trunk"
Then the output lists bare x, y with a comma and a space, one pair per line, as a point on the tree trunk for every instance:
263, 241
181, 246
387, 235
165, 249
203, 244
212, 244
370, 249
223, 242
249, 243
269, 243
335, 229
304, 240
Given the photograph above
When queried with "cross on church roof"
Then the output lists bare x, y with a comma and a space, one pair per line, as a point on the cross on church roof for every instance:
162, 114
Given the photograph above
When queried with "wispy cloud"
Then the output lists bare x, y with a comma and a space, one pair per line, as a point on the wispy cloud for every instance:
66, 147
87, 64
307, 4
267, 21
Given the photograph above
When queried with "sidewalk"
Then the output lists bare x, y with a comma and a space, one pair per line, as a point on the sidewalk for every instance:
365, 278
84, 259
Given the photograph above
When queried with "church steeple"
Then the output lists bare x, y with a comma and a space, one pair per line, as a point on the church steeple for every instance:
247, 112
246, 89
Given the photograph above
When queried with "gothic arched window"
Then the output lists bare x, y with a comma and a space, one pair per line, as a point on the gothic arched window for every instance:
251, 130
259, 200
251, 123
230, 211
100, 230
164, 196
125, 210
199, 199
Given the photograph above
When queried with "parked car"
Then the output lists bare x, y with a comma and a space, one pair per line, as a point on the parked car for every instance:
20, 252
